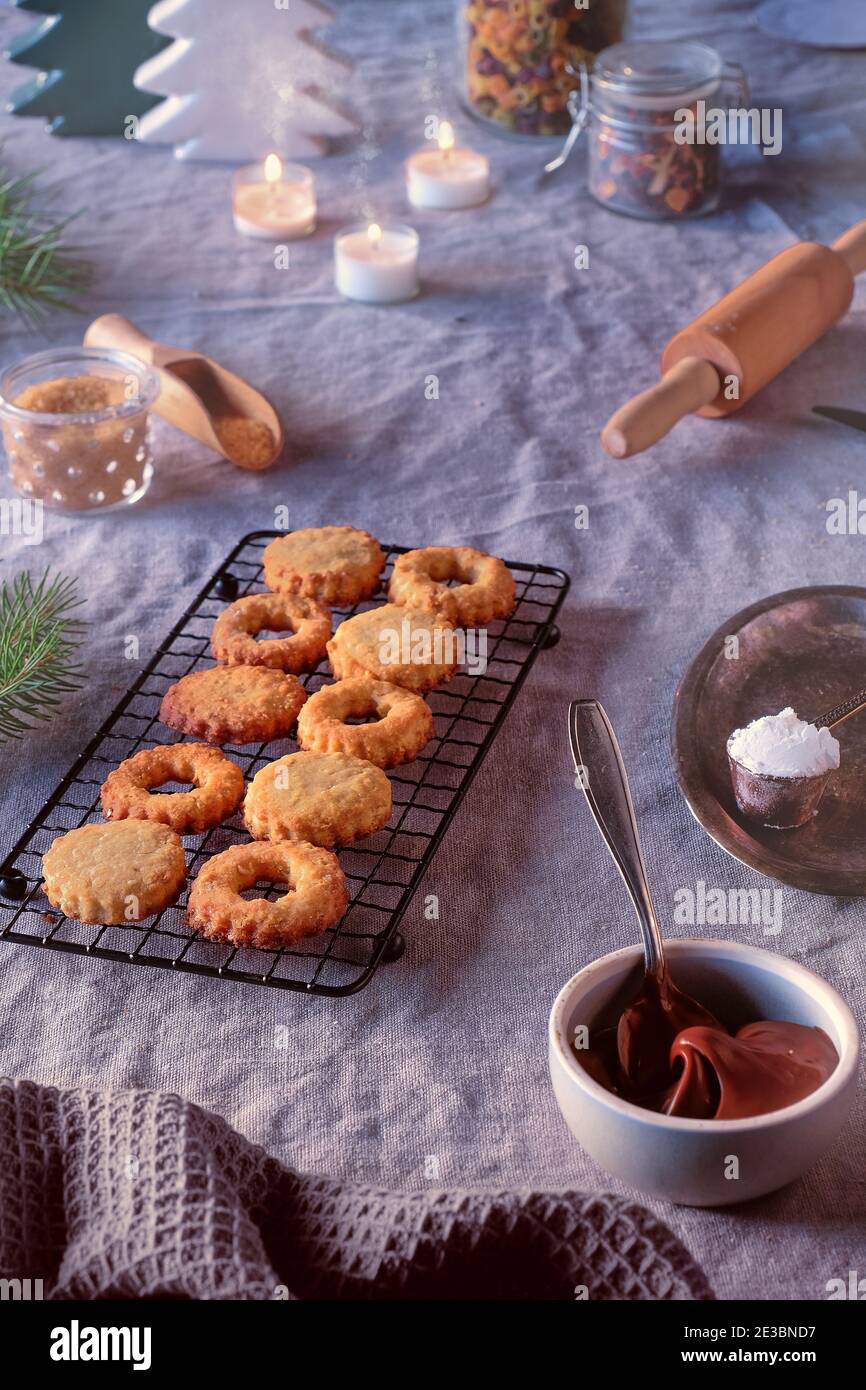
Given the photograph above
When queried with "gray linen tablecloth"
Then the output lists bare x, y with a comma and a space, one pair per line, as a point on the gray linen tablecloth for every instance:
444, 1055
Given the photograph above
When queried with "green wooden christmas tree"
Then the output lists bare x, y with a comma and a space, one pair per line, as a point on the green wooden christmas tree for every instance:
87, 51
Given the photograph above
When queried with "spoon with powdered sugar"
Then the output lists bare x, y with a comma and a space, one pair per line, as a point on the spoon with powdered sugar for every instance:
781, 765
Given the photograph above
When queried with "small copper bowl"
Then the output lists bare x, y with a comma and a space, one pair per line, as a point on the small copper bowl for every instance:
782, 803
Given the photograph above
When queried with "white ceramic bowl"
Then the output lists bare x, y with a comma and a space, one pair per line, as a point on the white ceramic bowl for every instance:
686, 1161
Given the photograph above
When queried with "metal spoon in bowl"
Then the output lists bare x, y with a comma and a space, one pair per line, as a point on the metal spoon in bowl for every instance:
783, 803
659, 1011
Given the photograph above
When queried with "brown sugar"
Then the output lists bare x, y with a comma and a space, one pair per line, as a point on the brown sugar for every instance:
71, 395
248, 443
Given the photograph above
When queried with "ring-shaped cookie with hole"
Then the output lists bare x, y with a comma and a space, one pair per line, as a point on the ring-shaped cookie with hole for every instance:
316, 899
334, 564
402, 722
218, 785
484, 591
234, 643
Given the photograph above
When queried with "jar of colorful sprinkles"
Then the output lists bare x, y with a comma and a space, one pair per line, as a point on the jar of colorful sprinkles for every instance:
519, 58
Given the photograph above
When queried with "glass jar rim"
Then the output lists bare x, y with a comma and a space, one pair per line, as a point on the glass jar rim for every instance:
657, 72
148, 382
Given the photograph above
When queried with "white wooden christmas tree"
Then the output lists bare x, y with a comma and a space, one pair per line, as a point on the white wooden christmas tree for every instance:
243, 78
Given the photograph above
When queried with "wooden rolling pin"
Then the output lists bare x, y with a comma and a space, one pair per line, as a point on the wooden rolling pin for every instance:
727, 354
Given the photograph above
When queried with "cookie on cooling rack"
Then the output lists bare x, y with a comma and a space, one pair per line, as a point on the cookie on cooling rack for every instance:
409, 647
114, 873
334, 564
233, 639
218, 786
325, 798
485, 589
316, 899
402, 722
234, 704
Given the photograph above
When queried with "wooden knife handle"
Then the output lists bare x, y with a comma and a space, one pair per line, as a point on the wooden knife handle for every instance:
648, 417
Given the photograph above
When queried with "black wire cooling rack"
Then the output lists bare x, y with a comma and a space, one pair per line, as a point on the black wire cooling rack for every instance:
383, 870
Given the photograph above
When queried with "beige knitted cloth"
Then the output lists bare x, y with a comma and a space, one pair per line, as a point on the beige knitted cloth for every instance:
133, 1194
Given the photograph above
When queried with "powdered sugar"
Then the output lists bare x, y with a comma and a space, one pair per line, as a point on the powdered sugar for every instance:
781, 745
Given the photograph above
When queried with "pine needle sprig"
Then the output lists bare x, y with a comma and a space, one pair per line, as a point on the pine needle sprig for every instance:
38, 271
38, 642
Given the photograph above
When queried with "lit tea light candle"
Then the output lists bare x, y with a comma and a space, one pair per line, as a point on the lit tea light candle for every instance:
448, 176
274, 201
376, 265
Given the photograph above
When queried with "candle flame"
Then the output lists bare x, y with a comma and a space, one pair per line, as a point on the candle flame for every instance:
273, 168
374, 232
446, 136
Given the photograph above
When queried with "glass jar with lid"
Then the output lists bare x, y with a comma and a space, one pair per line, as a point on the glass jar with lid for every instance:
644, 107
518, 59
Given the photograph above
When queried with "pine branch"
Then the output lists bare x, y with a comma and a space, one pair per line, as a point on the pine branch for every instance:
37, 272
38, 641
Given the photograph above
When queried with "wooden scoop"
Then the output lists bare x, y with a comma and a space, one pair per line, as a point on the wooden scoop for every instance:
200, 397
721, 359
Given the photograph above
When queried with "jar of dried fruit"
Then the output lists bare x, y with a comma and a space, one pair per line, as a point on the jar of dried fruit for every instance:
647, 114
518, 58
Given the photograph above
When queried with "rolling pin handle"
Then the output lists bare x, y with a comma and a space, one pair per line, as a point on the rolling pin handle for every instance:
851, 246
646, 418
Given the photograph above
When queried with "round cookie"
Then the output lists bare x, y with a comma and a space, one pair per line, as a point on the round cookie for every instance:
403, 722
127, 792
317, 898
325, 798
233, 704
486, 590
334, 564
410, 647
114, 873
233, 639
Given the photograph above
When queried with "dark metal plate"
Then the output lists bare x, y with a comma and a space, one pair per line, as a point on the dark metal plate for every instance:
805, 648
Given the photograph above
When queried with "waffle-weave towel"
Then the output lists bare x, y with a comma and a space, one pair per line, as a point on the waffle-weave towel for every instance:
135, 1194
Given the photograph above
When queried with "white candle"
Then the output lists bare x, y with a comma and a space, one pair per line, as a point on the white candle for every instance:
448, 176
273, 201
376, 265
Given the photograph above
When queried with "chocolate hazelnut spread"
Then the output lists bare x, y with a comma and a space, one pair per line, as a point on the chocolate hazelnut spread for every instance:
667, 1053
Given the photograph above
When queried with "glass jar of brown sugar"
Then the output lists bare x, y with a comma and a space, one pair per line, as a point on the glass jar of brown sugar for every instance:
76, 428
